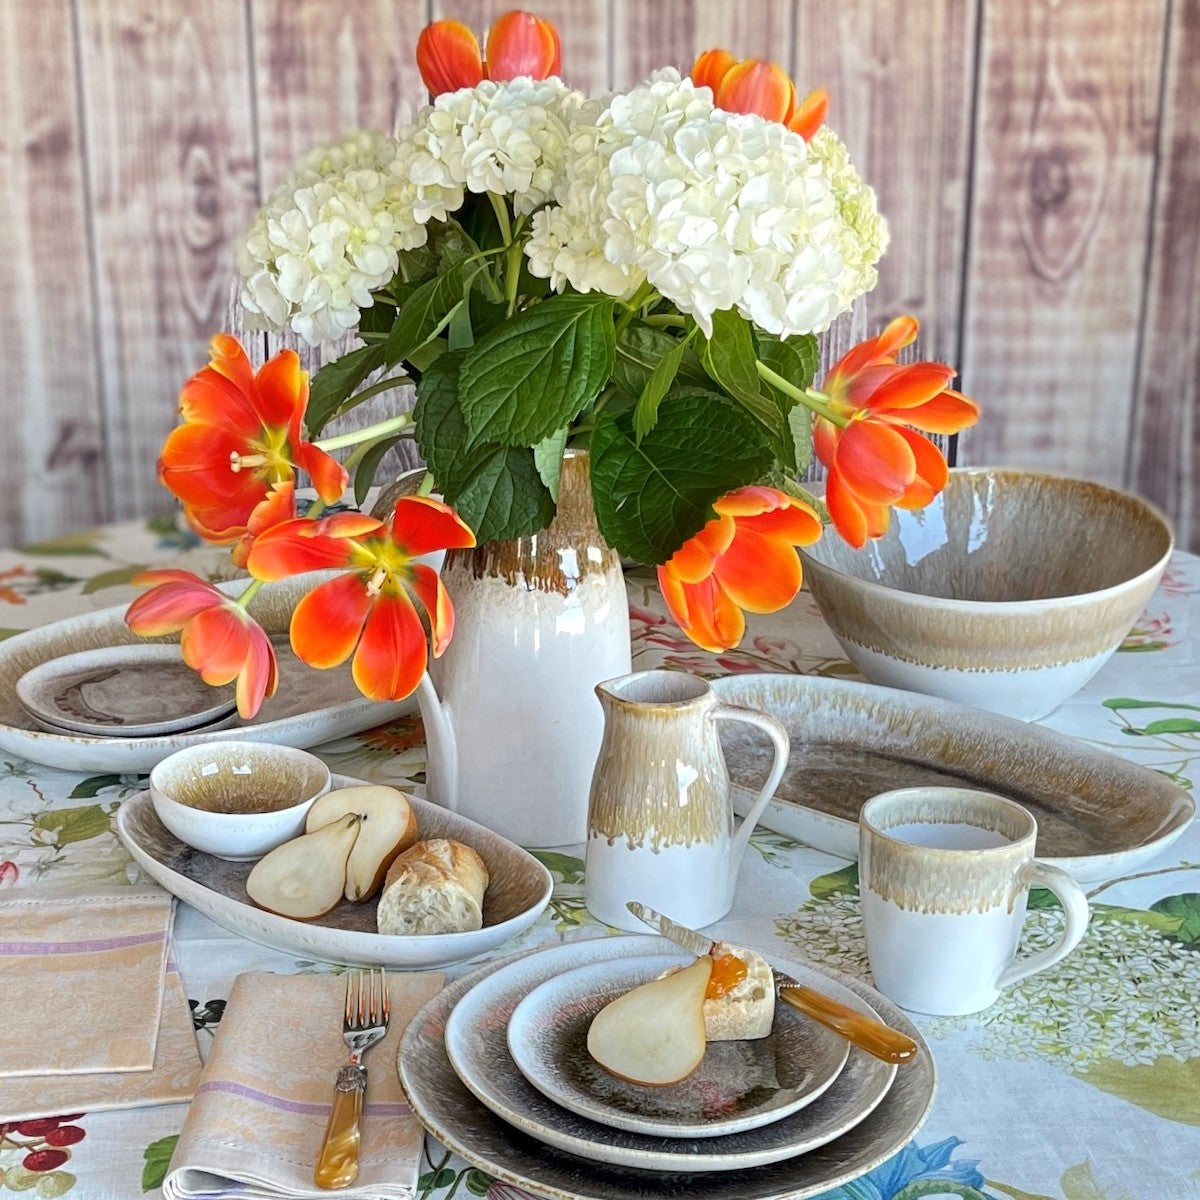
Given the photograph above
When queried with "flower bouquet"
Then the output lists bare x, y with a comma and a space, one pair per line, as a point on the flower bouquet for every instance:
643, 275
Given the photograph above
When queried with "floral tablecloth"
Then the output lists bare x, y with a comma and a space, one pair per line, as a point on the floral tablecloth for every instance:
1080, 1084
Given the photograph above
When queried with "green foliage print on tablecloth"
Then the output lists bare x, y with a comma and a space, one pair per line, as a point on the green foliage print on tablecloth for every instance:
1174, 737
157, 1157
1119, 1012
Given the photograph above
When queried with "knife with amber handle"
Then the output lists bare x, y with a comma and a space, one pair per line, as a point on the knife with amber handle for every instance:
860, 1030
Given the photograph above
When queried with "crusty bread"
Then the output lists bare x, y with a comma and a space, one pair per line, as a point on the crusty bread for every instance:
747, 1011
434, 886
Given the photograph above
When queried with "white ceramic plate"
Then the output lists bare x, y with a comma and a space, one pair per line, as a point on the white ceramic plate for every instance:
309, 707
632, 1167
1098, 815
517, 893
123, 691
738, 1085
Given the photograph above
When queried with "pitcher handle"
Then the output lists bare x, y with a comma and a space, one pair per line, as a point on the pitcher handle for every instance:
1075, 906
782, 744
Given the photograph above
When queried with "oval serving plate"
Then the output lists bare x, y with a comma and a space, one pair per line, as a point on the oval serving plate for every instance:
1098, 815
738, 1085
518, 891
818, 1148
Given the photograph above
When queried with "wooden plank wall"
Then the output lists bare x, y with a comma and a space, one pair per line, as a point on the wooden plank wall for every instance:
1038, 161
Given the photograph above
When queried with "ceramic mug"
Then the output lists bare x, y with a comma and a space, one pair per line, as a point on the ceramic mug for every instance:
660, 816
944, 875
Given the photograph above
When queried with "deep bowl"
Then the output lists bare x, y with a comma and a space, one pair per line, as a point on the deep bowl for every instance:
1008, 592
237, 800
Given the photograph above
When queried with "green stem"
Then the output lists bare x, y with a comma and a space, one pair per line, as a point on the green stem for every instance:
426, 487
814, 401
384, 385
244, 599
634, 305
369, 434
665, 321
512, 276
501, 211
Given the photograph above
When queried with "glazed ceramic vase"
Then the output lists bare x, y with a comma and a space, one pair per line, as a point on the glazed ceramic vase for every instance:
514, 728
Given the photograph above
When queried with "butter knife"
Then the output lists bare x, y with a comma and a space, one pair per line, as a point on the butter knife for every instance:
862, 1031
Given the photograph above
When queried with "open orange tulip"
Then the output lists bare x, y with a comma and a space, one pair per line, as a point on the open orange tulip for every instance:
742, 559
518, 43
754, 85
876, 460
367, 611
219, 639
241, 434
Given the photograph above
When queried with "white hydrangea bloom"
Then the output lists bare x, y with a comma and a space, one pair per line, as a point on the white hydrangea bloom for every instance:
716, 210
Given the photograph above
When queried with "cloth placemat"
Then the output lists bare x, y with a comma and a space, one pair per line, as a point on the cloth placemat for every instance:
88, 966
173, 1078
256, 1124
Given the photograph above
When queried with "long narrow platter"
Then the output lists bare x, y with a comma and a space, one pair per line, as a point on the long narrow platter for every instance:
1098, 815
309, 707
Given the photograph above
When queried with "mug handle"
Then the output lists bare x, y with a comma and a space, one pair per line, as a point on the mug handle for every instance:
782, 745
1071, 897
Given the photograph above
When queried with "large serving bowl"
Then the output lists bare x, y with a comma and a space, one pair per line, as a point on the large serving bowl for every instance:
1008, 592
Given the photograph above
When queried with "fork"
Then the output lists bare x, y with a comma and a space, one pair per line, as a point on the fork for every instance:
365, 1023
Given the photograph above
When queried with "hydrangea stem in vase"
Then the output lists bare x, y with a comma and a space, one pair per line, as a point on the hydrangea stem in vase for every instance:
515, 728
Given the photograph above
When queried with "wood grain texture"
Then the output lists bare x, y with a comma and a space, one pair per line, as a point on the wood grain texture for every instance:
1062, 195
1164, 430
51, 457
170, 150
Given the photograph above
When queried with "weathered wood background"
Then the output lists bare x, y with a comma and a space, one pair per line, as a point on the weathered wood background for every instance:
1039, 161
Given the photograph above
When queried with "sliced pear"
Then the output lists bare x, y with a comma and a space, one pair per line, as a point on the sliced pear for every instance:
306, 877
388, 825
654, 1034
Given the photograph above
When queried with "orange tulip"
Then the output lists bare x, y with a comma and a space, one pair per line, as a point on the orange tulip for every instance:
241, 435
742, 559
754, 85
877, 461
219, 638
367, 611
519, 43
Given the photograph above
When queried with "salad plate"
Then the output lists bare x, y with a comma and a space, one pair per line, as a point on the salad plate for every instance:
739, 1084
470, 1089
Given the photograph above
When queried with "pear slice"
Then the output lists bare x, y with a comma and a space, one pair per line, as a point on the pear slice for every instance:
388, 825
306, 877
654, 1034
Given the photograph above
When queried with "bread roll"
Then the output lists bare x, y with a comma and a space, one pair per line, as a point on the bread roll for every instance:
435, 886
747, 1010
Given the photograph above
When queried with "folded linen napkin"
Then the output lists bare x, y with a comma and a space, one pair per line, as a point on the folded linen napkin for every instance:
173, 1077
81, 974
256, 1124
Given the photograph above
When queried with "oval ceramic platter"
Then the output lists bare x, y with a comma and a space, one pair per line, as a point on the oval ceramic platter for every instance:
518, 890
1098, 815
867, 1115
739, 1084
309, 706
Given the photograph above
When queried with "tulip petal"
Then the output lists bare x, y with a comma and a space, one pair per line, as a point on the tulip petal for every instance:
175, 597
757, 86
796, 524
259, 678
758, 573
911, 386
279, 506
208, 398
433, 595
519, 43
328, 620
421, 524
883, 348
215, 643
391, 655
302, 545
448, 57
711, 67
328, 475
932, 471
694, 560
703, 612
846, 512
195, 467
875, 461
282, 391
948, 412
810, 114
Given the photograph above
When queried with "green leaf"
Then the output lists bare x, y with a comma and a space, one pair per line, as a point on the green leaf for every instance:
568, 867
796, 360
74, 824
93, 785
652, 495
536, 372
428, 311
157, 1157
1120, 702
1166, 1087
71, 543
843, 882
478, 1184
1185, 909
729, 356
368, 464
335, 381
639, 349
1042, 898
548, 458
114, 578
1172, 725
645, 415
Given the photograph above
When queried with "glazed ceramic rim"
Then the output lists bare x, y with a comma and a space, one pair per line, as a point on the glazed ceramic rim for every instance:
1014, 607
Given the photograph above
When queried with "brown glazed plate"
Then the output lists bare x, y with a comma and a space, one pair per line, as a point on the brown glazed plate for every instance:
1098, 815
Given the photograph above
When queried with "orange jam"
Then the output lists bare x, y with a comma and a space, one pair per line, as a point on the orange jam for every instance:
727, 972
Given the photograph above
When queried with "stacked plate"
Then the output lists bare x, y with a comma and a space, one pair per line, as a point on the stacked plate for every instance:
497, 1068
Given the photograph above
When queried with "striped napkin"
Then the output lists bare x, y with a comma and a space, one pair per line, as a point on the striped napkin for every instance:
256, 1124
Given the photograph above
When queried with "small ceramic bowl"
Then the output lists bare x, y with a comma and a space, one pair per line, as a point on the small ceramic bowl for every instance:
237, 800
1008, 592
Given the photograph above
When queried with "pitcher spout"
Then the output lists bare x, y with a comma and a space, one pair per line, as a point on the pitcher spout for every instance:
441, 750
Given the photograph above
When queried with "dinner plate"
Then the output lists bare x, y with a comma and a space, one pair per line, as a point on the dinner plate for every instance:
122, 691
518, 890
445, 1106
309, 706
1098, 815
739, 1084
476, 1052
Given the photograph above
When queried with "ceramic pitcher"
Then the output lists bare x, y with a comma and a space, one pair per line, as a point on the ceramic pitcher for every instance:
660, 817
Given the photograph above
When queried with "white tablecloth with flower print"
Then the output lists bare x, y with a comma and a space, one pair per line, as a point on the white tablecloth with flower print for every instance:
1081, 1084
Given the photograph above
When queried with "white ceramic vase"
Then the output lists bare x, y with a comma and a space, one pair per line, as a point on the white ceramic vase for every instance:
515, 727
